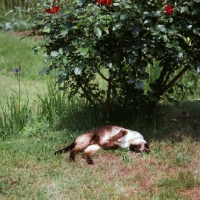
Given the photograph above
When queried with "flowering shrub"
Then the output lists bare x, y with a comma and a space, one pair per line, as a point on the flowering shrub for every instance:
120, 43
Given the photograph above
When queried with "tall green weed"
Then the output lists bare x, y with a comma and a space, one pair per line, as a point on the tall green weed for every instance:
13, 115
51, 104
61, 112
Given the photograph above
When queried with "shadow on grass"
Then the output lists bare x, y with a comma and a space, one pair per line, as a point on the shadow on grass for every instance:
168, 123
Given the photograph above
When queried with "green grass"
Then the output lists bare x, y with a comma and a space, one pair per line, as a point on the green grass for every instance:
17, 98
15, 52
29, 169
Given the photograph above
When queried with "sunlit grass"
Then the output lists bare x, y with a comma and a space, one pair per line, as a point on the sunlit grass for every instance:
30, 169
15, 52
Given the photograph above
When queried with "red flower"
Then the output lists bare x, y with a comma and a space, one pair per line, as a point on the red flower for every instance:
54, 10
168, 9
107, 2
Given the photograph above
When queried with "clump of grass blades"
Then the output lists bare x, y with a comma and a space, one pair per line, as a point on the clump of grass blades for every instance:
170, 186
12, 116
185, 179
62, 112
50, 105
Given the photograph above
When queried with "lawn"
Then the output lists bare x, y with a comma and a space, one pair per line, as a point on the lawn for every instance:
15, 53
29, 169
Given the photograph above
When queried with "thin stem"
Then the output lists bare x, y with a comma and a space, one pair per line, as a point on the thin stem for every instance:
19, 96
19, 102
108, 98
3, 7
102, 76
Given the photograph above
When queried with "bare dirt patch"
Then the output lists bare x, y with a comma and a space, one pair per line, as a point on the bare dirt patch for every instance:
141, 174
26, 34
193, 194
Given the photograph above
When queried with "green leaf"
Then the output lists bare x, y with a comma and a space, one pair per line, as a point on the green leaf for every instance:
60, 51
67, 12
79, 24
10, 11
181, 36
83, 51
46, 30
60, 80
116, 4
168, 45
183, 9
77, 71
164, 37
180, 56
172, 31
44, 71
131, 80
139, 84
80, 2
136, 30
122, 17
98, 32
161, 28
64, 32
54, 54
196, 31
104, 28
59, 72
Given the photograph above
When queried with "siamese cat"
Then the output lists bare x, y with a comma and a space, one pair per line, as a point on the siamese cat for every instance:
106, 137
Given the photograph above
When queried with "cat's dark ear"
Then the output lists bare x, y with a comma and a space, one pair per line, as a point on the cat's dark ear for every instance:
135, 147
146, 148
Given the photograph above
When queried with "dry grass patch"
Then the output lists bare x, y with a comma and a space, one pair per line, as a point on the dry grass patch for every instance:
116, 174
193, 194
170, 171
138, 176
